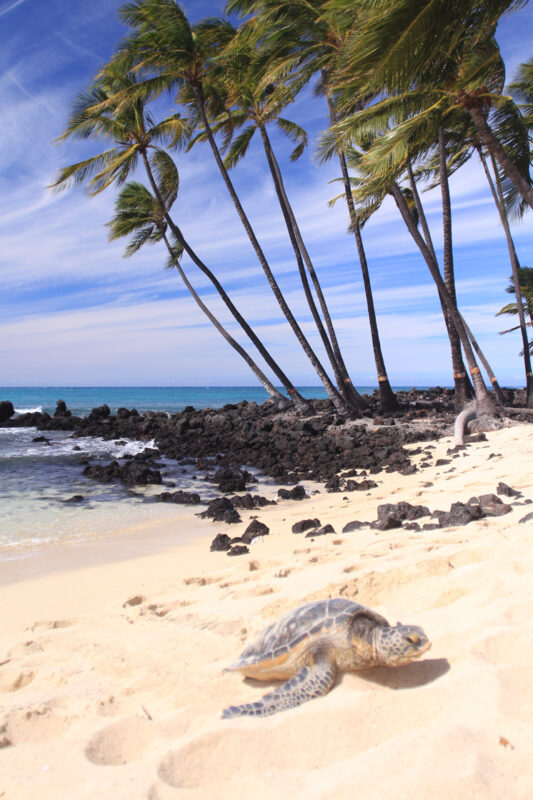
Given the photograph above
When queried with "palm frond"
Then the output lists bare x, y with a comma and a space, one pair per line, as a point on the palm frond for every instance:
239, 146
76, 174
166, 175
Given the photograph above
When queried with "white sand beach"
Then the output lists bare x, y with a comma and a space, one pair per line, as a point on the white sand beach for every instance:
111, 669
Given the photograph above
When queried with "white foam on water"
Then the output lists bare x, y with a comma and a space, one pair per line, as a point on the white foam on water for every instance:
37, 409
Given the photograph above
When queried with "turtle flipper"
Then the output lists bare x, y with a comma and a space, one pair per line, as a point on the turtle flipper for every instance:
312, 681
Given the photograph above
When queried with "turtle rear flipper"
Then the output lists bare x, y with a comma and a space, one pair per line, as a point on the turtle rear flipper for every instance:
312, 681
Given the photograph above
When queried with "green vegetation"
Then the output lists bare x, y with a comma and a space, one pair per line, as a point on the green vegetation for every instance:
411, 91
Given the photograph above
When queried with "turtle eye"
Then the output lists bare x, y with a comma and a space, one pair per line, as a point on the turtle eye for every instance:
413, 638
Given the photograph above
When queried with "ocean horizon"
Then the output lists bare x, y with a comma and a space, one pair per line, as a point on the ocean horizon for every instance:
171, 399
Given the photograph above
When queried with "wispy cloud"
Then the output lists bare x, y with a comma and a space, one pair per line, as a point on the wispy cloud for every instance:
10, 7
66, 291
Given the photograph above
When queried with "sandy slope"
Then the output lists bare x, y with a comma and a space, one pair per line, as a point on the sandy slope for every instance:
111, 681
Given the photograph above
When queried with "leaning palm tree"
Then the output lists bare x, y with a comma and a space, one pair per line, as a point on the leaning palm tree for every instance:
525, 276
139, 216
415, 121
237, 99
302, 40
410, 44
517, 274
522, 89
135, 137
169, 55
373, 189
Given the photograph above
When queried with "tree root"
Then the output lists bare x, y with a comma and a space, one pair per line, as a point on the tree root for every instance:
473, 420
511, 410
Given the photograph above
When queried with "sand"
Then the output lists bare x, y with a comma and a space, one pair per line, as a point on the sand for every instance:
111, 681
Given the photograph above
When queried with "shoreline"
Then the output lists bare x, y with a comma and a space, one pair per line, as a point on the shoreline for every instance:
111, 673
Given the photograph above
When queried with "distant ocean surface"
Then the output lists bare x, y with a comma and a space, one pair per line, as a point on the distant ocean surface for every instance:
80, 400
37, 479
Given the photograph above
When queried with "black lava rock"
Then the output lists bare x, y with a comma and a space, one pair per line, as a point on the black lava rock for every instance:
505, 490
76, 498
231, 479
131, 474
220, 543
298, 493
135, 474
62, 410
104, 473
221, 510
6, 410
100, 412
238, 550
359, 486
250, 501
386, 523
305, 524
320, 531
402, 511
183, 498
459, 514
255, 529
356, 525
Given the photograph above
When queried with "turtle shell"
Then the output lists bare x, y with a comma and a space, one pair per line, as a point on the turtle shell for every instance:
277, 649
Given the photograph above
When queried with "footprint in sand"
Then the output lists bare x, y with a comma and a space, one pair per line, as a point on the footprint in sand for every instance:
12, 680
236, 754
51, 625
25, 649
34, 725
120, 742
200, 581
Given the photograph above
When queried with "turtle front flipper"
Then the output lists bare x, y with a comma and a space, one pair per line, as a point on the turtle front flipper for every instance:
313, 680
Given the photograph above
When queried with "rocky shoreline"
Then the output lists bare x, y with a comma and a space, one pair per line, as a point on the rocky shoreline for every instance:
341, 453
281, 444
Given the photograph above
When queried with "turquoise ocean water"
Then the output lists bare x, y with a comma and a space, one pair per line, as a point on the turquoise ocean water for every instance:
36, 479
81, 400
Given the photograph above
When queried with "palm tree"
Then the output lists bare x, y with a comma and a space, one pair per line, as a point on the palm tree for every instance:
420, 119
440, 44
236, 76
517, 276
525, 276
522, 88
139, 216
302, 40
136, 135
163, 42
373, 190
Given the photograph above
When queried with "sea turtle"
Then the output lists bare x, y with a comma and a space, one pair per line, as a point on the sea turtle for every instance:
309, 645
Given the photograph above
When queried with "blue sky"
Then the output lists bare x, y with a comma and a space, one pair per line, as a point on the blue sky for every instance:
75, 312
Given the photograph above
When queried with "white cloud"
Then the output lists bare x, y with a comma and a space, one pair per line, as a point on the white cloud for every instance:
74, 310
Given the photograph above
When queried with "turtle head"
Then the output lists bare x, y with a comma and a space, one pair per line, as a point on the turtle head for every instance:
399, 644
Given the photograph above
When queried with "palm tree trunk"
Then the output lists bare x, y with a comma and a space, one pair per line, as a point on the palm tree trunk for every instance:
497, 151
497, 194
313, 358
462, 394
330, 342
387, 398
274, 393
488, 369
295, 396
486, 366
459, 371
484, 402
